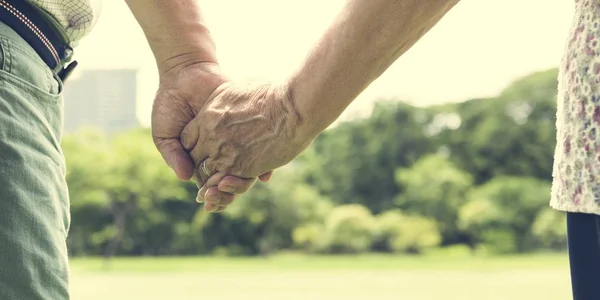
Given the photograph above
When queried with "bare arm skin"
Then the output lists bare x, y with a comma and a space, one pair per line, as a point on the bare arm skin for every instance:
185, 55
267, 126
175, 30
363, 41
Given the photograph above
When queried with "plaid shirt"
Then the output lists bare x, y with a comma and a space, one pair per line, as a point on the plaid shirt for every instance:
76, 16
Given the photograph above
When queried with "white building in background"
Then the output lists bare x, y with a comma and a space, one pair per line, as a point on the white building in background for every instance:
101, 98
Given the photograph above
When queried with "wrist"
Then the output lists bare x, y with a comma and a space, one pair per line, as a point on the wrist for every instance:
314, 114
305, 126
175, 30
195, 83
194, 46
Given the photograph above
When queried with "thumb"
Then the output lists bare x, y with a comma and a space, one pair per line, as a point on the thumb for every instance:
266, 177
176, 157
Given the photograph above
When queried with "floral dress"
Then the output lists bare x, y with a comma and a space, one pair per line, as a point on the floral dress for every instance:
576, 172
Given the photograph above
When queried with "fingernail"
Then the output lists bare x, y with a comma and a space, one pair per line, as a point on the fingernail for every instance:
228, 189
212, 200
212, 209
200, 196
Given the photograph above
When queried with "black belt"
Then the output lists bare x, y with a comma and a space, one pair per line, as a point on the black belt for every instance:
35, 29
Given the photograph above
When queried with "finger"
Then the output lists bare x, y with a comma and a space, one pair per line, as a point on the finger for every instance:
190, 135
204, 183
197, 180
215, 197
212, 195
190, 140
234, 184
214, 208
266, 177
220, 209
204, 173
176, 157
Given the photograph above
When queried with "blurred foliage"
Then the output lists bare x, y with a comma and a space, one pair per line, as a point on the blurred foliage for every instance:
501, 213
473, 175
435, 188
405, 233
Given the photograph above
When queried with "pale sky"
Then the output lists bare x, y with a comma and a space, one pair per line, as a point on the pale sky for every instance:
475, 51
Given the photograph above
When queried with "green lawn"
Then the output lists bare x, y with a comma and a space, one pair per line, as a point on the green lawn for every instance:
319, 278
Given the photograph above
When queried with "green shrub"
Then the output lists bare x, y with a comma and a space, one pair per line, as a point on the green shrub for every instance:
405, 233
349, 229
550, 229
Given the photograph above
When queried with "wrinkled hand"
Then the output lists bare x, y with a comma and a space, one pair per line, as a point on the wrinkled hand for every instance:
245, 132
182, 93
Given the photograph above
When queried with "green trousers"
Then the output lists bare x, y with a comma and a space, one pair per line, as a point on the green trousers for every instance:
34, 201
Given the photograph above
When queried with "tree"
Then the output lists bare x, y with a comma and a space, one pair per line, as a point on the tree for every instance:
407, 233
142, 182
87, 155
511, 135
357, 160
501, 214
116, 186
349, 228
436, 189
550, 229
263, 220
475, 172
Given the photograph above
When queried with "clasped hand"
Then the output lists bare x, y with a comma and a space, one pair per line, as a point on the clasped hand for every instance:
241, 133
222, 135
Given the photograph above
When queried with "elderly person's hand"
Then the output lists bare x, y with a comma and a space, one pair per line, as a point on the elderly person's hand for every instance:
179, 98
187, 65
177, 102
245, 132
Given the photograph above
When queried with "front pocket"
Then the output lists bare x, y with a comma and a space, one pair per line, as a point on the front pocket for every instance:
21, 65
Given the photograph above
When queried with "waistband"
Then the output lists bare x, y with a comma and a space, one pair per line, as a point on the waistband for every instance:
33, 26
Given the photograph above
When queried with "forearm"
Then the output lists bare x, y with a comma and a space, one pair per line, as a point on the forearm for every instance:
363, 41
175, 31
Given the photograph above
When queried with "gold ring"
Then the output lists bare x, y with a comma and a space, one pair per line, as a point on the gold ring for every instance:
204, 169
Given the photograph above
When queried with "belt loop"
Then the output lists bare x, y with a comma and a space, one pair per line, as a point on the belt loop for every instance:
66, 71
67, 54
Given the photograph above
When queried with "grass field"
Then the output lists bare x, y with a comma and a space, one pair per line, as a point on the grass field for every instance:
324, 278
